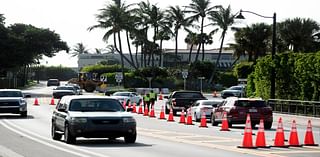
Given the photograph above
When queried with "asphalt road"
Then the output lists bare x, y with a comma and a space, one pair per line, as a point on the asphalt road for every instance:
30, 137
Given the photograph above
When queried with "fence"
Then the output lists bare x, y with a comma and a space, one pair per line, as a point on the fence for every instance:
296, 107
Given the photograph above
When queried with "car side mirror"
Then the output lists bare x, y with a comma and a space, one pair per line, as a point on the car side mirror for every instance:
62, 109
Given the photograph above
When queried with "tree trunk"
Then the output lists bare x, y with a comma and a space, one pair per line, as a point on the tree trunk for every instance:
218, 59
190, 52
136, 56
202, 40
196, 59
129, 47
122, 63
176, 48
160, 56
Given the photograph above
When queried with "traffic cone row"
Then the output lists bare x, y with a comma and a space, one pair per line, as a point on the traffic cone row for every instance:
189, 118
170, 118
36, 102
152, 114
247, 138
225, 125
203, 122
162, 115
182, 118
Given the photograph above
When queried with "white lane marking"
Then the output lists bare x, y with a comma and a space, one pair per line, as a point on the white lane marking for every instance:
5, 152
43, 140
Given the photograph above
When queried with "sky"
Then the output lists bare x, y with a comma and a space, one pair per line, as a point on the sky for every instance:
71, 18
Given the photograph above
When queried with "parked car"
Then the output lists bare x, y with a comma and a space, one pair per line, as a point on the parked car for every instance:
77, 87
238, 108
12, 101
203, 106
92, 117
61, 91
234, 91
182, 100
53, 82
131, 97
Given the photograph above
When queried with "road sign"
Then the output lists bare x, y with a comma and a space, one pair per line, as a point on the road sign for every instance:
118, 76
103, 78
184, 74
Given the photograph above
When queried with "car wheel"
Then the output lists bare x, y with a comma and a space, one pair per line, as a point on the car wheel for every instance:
267, 125
54, 134
253, 125
229, 124
24, 114
130, 138
213, 120
67, 135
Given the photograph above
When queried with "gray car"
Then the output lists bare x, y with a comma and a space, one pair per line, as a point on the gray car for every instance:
92, 117
12, 101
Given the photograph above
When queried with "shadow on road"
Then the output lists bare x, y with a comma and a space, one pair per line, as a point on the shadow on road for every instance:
17, 116
108, 143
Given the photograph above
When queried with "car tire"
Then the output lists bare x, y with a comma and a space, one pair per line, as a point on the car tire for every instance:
229, 124
253, 125
213, 121
267, 125
70, 139
130, 138
24, 114
54, 134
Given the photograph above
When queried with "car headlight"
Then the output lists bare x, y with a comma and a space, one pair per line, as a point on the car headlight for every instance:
78, 120
23, 102
129, 120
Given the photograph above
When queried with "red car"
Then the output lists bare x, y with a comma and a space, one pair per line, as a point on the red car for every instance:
238, 108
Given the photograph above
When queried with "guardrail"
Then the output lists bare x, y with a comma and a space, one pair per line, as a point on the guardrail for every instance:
296, 107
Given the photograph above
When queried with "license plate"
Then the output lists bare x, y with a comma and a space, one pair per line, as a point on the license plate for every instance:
253, 110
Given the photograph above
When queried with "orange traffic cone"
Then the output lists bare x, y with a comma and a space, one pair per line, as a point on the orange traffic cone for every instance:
189, 118
36, 102
129, 105
170, 118
182, 118
247, 138
308, 138
225, 125
52, 101
203, 123
279, 139
162, 115
140, 108
134, 108
146, 111
152, 115
294, 140
261, 139
160, 96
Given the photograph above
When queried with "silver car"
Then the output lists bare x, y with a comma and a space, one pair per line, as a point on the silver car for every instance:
203, 106
92, 117
12, 101
131, 97
234, 91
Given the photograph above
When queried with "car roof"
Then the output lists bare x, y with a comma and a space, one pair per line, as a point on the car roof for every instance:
236, 98
212, 100
16, 90
68, 98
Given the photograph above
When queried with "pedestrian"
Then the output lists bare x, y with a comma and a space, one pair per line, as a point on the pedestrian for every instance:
146, 100
153, 97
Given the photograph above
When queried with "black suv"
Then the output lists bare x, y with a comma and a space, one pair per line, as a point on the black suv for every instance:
92, 117
182, 100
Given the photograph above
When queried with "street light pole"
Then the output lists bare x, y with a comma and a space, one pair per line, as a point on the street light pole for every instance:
273, 51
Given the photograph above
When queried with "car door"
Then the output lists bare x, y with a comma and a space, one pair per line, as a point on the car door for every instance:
60, 115
194, 108
218, 111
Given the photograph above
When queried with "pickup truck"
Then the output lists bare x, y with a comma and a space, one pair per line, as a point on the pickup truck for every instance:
182, 100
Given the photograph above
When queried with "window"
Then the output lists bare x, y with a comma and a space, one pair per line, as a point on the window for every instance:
250, 103
97, 105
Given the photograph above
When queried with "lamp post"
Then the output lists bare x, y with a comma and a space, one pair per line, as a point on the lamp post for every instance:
201, 78
273, 52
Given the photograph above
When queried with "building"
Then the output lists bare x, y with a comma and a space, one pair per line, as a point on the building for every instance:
168, 58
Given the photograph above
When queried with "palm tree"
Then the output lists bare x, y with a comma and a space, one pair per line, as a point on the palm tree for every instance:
177, 18
163, 34
200, 9
298, 34
78, 49
224, 19
2, 19
114, 17
192, 39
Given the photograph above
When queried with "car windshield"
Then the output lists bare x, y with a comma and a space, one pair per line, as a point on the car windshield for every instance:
10, 94
64, 88
235, 88
121, 94
187, 95
95, 105
211, 103
251, 103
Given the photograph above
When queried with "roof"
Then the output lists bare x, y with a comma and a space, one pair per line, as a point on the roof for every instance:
236, 98
18, 90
